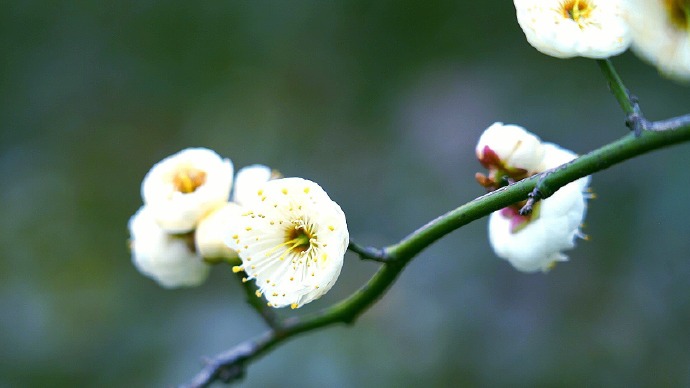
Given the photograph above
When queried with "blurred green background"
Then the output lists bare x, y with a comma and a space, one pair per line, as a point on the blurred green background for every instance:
381, 103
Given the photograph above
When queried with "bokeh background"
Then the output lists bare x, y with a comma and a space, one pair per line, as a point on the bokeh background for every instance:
381, 103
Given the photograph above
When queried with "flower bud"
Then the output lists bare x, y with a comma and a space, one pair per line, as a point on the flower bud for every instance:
508, 151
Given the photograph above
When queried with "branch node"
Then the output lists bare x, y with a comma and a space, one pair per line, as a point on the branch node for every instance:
540, 191
636, 120
532, 199
370, 253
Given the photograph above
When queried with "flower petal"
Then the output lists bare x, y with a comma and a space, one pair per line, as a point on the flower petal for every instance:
164, 257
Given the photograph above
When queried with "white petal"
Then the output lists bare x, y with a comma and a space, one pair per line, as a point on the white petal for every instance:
213, 230
540, 243
248, 180
516, 147
163, 257
658, 40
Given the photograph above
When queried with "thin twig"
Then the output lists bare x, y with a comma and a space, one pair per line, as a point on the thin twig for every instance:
670, 124
369, 253
230, 365
634, 119
622, 94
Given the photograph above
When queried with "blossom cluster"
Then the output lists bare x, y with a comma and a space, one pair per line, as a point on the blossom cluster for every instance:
289, 235
533, 242
657, 30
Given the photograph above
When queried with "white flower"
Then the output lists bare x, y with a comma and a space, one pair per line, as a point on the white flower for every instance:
569, 28
183, 187
536, 242
660, 33
163, 257
249, 179
292, 240
212, 231
509, 147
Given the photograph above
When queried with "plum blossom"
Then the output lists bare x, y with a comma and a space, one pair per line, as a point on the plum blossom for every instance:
291, 239
660, 31
534, 242
570, 28
184, 187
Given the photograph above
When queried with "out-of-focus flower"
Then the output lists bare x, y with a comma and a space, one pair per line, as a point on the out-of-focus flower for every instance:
570, 28
536, 241
249, 179
168, 259
212, 231
292, 240
508, 151
182, 188
660, 31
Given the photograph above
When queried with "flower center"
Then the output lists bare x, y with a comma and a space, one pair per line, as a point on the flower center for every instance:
679, 13
577, 10
298, 239
188, 179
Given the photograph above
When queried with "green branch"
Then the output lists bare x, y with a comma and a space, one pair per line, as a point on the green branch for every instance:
648, 136
231, 365
622, 94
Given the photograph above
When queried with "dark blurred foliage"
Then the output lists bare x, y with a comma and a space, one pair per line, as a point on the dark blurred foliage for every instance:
379, 102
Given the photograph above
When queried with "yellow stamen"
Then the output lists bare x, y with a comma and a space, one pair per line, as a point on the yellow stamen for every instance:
187, 179
577, 10
679, 13
298, 243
